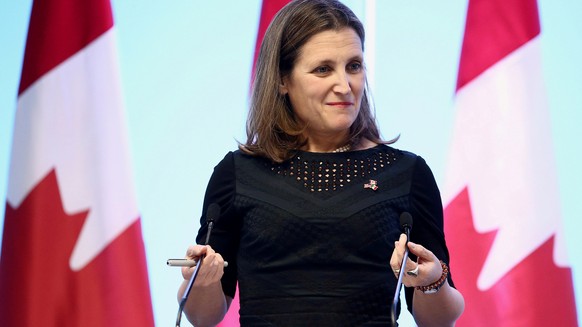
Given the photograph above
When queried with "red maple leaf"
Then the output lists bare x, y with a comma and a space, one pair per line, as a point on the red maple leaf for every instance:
534, 293
37, 285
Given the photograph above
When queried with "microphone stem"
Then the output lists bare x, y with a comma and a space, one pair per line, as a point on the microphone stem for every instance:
210, 226
192, 278
187, 292
400, 277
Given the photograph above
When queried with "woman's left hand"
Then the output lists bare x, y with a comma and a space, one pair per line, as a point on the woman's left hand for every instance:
425, 271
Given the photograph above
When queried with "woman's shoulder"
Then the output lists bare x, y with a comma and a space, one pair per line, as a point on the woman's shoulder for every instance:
239, 159
404, 157
396, 151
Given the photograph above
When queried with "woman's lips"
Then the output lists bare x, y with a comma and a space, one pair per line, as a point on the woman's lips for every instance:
340, 104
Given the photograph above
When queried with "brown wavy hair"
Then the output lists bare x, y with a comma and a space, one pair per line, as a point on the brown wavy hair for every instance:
272, 128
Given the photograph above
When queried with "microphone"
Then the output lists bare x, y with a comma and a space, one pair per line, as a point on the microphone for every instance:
212, 215
406, 225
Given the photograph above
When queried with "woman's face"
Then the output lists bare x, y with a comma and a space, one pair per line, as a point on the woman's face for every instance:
326, 84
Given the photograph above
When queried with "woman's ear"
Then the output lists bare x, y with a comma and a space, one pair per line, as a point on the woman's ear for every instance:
283, 86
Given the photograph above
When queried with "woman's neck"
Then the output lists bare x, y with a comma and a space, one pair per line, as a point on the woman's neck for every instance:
343, 146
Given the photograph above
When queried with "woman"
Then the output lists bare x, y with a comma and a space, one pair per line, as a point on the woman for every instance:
310, 204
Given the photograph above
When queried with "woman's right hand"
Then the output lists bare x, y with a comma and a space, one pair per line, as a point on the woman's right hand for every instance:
206, 304
212, 267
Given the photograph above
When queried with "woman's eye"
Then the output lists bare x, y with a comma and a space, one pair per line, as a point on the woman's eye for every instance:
355, 67
321, 70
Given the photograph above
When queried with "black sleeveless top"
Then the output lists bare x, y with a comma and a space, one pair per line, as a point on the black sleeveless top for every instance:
309, 240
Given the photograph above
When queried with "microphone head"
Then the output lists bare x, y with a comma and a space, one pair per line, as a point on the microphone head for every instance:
405, 220
213, 212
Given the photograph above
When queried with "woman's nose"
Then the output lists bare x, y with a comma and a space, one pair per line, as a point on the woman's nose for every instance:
342, 84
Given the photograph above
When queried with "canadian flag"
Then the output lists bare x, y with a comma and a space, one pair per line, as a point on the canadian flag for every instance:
72, 250
502, 214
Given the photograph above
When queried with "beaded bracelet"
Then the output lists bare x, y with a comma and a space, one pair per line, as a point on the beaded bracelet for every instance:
436, 286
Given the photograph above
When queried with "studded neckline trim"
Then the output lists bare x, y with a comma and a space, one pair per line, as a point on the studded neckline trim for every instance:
329, 172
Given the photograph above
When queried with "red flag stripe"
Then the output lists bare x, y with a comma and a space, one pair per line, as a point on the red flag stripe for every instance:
58, 29
268, 10
90, 265
487, 39
502, 39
